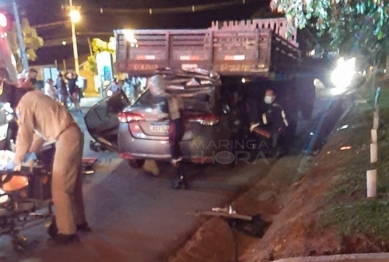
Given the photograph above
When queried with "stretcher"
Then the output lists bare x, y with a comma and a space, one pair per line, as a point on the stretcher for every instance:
25, 197
25, 202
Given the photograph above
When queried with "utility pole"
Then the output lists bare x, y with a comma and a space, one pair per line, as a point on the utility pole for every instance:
74, 38
22, 47
90, 47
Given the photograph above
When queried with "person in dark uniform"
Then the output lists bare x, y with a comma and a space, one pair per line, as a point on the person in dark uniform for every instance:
62, 91
72, 79
274, 124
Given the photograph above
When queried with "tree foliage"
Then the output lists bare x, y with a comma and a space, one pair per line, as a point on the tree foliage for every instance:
353, 25
99, 46
32, 42
92, 64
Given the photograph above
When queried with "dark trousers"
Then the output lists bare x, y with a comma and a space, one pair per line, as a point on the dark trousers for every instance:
271, 135
176, 133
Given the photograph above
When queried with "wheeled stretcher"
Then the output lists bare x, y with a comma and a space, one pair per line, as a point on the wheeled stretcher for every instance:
25, 201
25, 197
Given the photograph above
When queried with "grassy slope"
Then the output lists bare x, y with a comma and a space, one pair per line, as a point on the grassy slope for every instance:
328, 212
347, 210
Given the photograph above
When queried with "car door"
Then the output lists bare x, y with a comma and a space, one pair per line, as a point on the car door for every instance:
102, 120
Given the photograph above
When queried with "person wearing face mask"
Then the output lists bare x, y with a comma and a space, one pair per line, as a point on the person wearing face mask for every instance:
274, 124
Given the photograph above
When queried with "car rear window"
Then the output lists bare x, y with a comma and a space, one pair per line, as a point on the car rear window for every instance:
198, 103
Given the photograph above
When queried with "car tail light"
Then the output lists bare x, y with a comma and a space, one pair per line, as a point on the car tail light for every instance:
127, 117
207, 120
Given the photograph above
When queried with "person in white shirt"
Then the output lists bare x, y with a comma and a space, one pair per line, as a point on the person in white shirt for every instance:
49, 89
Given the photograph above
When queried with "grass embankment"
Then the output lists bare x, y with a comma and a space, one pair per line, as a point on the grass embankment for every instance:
346, 210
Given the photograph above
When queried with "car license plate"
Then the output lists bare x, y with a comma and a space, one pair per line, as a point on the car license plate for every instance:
159, 128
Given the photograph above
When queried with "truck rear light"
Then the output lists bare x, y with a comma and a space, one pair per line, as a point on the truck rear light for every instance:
235, 57
207, 120
145, 57
127, 117
189, 58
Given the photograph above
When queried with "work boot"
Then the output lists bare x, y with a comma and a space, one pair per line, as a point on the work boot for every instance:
280, 152
181, 183
63, 239
84, 227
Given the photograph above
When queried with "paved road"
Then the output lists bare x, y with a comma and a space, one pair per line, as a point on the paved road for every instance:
135, 216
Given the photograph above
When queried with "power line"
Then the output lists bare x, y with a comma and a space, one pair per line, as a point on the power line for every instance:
57, 41
96, 33
169, 10
51, 24
151, 11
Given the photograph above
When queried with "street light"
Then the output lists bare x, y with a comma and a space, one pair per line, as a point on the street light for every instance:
75, 17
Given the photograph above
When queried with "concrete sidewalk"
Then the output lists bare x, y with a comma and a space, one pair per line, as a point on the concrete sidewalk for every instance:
371, 257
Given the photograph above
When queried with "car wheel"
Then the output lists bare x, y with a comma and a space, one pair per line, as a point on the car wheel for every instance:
136, 163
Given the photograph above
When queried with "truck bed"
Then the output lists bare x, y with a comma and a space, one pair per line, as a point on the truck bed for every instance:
250, 52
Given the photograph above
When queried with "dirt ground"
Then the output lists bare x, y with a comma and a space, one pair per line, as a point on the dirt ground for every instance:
314, 205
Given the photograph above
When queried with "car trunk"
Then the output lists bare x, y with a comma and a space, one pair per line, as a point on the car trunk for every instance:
144, 116
199, 99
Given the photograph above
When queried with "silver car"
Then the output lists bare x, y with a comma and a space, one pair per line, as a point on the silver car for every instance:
139, 132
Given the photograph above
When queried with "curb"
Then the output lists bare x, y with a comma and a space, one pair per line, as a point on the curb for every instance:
351, 257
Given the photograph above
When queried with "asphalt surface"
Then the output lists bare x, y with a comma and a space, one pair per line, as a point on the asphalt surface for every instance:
136, 216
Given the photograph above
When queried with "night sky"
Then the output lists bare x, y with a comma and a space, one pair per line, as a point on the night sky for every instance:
97, 24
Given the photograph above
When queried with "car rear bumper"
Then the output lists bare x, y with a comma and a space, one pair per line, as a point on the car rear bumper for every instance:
196, 160
201, 148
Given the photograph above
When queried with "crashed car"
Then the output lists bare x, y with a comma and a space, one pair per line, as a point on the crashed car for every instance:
138, 133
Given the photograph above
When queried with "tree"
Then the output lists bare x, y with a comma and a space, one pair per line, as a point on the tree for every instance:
353, 25
99, 46
31, 40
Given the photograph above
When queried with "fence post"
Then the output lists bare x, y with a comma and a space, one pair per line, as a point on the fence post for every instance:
374, 136
371, 175
371, 183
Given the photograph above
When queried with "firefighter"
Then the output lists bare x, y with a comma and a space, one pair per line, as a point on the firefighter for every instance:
274, 124
37, 114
